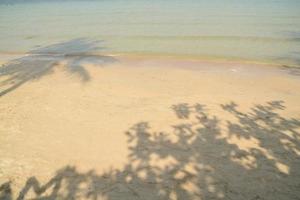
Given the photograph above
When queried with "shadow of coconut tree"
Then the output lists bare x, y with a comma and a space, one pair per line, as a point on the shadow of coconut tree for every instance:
40, 62
255, 156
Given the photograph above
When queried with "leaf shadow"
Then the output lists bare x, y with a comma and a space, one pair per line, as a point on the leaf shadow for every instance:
194, 161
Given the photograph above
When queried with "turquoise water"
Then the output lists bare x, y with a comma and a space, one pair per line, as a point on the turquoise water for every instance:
256, 30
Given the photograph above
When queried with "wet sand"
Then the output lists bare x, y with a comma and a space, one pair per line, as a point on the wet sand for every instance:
149, 128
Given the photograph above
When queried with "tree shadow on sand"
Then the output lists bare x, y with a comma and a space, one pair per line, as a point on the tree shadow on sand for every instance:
194, 161
40, 62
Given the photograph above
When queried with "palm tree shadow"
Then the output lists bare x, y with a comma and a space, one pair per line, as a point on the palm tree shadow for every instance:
41, 61
194, 161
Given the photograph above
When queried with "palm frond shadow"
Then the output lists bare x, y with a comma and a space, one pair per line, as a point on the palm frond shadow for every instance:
195, 161
41, 61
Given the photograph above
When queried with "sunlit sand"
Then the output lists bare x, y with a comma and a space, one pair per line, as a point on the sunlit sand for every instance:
114, 127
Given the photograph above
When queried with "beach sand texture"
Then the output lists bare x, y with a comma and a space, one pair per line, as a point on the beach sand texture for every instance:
83, 126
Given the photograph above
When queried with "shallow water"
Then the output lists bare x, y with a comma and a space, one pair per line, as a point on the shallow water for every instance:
257, 30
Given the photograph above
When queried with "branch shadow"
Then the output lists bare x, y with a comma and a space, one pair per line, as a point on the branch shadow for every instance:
41, 61
194, 161
292, 70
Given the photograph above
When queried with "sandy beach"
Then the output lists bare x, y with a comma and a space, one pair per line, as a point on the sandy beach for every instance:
148, 128
149, 100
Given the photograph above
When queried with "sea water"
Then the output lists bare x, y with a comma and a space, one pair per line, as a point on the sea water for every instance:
256, 30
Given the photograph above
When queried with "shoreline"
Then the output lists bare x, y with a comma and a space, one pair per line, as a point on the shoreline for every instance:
5, 57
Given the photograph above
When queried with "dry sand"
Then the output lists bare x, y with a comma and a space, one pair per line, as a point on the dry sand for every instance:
149, 128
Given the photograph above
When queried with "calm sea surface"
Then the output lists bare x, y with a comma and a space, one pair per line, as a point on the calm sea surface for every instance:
256, 30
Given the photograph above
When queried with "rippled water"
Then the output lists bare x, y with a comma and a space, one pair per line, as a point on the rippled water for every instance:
256, 30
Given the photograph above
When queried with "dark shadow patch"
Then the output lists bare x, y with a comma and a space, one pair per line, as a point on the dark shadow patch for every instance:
5, 191
292, 70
